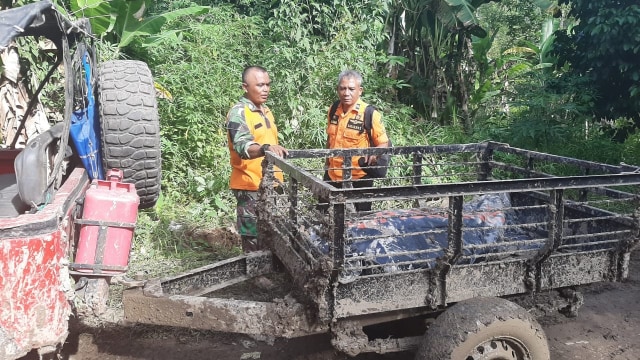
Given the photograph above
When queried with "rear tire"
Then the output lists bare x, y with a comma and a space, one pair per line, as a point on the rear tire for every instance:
484, 328
130, 125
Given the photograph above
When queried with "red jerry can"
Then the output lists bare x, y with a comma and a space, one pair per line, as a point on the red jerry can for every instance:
107, 225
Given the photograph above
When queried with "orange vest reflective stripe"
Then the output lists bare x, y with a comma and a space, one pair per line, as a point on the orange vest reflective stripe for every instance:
246, 174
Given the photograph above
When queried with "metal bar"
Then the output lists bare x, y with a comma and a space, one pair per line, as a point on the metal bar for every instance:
454, 240
584, 193
287, 319
491, 186
396, 150
118, 224
293, 200
484, 168
417, 169
98, 267
566, 160
346, 171
100, 246
337, 235
250, 265
554, 232
454, 237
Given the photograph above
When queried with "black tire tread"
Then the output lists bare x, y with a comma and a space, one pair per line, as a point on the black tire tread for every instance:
465, 319
130, 125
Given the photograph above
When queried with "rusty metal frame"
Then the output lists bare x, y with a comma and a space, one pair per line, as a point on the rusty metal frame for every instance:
436, 287
326, 302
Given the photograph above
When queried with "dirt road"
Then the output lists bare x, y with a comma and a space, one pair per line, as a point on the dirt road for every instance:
607, 328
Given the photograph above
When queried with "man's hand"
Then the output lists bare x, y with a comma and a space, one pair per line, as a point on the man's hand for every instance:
256, 150
371, 160
278, 150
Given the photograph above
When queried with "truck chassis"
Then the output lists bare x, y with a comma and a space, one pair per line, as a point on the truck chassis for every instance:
571, 230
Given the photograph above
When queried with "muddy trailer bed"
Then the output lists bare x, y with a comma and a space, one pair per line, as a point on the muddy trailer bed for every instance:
562, 223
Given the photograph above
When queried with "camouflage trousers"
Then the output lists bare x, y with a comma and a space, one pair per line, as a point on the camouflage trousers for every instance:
246, 221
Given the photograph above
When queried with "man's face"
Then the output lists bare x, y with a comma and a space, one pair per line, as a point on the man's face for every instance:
257, 87
349, 91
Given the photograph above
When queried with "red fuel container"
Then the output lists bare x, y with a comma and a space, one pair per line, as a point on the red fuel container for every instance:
107, 225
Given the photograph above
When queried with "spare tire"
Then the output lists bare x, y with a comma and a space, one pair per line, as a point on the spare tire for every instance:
130, 126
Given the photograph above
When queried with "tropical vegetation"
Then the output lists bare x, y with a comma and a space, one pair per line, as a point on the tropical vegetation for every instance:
547, 75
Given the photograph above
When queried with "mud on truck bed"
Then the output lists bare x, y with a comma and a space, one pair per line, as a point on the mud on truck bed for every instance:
454, 231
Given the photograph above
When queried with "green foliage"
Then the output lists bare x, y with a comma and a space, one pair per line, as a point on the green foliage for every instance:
435, 34
170, 239
201, 65
34, 66
631, 149
313, 42
124, 19
201, 68
550, 116
603, 46
512, 22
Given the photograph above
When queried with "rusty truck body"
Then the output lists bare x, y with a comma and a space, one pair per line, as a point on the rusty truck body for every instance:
456, 235
96, 116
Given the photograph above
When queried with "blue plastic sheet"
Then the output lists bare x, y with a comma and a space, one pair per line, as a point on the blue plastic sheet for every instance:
85, 129
419, 236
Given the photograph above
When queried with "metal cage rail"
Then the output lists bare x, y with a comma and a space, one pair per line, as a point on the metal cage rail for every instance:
554, 221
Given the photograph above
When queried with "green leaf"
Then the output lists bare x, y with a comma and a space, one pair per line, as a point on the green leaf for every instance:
520, 50
519, 69
98, 12
133, 27
220, 204
465, 12
545, 4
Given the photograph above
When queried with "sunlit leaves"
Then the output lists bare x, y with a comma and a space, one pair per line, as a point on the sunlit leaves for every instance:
126, 18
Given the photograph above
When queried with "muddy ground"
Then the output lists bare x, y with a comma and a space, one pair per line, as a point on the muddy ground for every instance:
607, 327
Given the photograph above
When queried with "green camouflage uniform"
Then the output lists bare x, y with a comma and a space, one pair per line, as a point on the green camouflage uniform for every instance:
242, 138
237, 128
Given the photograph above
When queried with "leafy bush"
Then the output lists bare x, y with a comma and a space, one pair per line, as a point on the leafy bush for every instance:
201, 67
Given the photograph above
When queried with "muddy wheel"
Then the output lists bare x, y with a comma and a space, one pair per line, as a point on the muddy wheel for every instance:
484, 328
130, 125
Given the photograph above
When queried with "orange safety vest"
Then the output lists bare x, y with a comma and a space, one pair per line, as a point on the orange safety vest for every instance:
346, 131
246, 174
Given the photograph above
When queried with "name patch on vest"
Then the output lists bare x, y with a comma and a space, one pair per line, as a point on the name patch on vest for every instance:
258, 126
355, 124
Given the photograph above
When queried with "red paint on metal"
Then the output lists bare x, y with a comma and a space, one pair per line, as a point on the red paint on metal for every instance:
108, 201
7, 156
35, 285
34, 309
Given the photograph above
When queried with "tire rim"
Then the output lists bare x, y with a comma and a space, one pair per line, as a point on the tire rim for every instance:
502, 348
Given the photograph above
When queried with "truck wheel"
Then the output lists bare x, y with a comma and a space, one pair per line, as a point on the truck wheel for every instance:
484, 328
130, 125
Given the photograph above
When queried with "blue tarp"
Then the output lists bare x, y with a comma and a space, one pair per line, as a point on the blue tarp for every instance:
85, 129
391, 237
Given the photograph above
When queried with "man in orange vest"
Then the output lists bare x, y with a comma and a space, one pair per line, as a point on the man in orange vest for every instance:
251, 131
346, 130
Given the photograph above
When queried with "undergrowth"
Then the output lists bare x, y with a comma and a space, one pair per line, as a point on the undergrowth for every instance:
174, 237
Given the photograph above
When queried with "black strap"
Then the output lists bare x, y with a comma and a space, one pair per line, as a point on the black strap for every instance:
368, 122
333, 109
